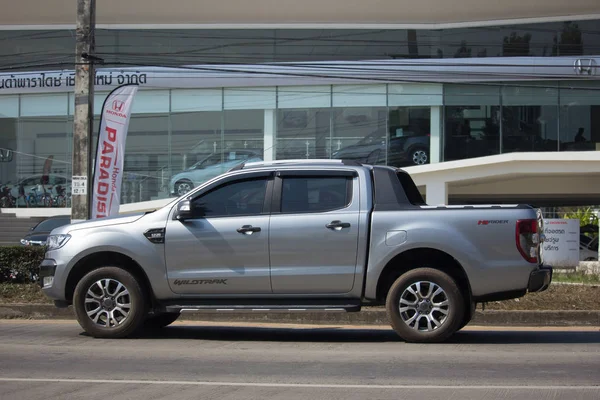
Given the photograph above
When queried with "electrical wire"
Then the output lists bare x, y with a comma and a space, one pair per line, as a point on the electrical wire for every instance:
321, 38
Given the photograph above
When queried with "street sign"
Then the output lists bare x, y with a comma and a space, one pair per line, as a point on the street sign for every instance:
79, 186
561, 243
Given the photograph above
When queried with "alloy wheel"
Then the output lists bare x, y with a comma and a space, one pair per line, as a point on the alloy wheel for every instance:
183, 188
107, 303
419, 157
424, 306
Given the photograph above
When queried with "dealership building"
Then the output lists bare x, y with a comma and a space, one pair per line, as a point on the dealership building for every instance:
480, 103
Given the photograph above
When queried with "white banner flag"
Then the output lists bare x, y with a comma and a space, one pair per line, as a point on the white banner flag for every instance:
110, 154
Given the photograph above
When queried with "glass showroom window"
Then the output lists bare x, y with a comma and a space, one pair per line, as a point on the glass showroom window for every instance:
303, 122
471, 121
579, 116
36, 167
147, 148
243, 130
414, 119
196, 138
146, 158
9, 112
530, 118
43, 161
248, 118
409, 136
359, 123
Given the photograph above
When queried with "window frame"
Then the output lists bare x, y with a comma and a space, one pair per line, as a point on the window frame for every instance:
280, 176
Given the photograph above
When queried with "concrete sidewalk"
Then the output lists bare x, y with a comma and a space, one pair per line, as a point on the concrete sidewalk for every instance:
368, 316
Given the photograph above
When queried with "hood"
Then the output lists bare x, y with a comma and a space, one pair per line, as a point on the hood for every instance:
40, 235
97, 223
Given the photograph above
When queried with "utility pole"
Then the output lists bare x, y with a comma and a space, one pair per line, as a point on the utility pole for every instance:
84, 110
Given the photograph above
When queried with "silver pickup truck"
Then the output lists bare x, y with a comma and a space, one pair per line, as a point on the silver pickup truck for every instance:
292, 236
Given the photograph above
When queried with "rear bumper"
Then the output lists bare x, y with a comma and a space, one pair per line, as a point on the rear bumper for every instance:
540, 279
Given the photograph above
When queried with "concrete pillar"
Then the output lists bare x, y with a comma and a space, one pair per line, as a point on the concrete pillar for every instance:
435, 143
270, 133
436, 193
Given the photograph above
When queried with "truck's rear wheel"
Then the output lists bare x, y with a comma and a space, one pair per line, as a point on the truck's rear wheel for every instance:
425, 305
469, 314
109, 303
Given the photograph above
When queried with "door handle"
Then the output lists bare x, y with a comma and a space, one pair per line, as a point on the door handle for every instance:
248, 229
337, 225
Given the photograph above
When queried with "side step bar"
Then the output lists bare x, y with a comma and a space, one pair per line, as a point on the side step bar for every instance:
263, 308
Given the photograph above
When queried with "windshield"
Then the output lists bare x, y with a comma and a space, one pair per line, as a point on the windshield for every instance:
374, 137
215, 159
50, 224
211, 160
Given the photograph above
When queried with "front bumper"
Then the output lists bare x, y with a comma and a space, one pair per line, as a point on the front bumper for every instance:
47, 270
53, 275
540, 279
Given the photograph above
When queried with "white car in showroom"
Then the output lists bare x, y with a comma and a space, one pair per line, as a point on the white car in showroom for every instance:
209, 167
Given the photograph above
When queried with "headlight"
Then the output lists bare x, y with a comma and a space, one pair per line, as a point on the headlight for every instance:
57, 241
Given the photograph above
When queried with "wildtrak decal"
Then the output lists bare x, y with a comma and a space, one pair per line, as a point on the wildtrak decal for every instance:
179, 282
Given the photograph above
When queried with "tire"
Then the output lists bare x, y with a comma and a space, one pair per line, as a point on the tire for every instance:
47, 201
182, 187
130, 292
420, 321
419, 156
160, 321
31, 202
469, 313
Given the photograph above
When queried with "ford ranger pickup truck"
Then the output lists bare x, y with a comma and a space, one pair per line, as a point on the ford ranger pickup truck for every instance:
293, 236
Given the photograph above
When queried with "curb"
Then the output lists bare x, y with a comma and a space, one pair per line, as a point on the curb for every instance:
368, 316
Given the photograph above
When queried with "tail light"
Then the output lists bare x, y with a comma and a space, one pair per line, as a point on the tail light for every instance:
527, 239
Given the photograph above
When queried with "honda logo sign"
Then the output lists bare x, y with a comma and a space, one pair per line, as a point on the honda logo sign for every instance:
585, 66
117, 105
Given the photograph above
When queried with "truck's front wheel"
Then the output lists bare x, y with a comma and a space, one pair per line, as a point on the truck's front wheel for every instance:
109, 303
425, 305
160, 321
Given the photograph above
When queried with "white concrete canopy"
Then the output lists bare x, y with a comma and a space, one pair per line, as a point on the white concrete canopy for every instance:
436, 13
562, 178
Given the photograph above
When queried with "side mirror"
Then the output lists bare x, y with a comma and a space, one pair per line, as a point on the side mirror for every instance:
184, 210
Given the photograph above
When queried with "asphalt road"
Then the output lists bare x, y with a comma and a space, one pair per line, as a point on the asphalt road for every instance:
54, 359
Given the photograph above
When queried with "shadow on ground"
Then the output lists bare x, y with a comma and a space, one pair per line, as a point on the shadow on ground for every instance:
340, 335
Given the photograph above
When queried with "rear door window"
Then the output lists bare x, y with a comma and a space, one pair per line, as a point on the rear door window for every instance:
315, 194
